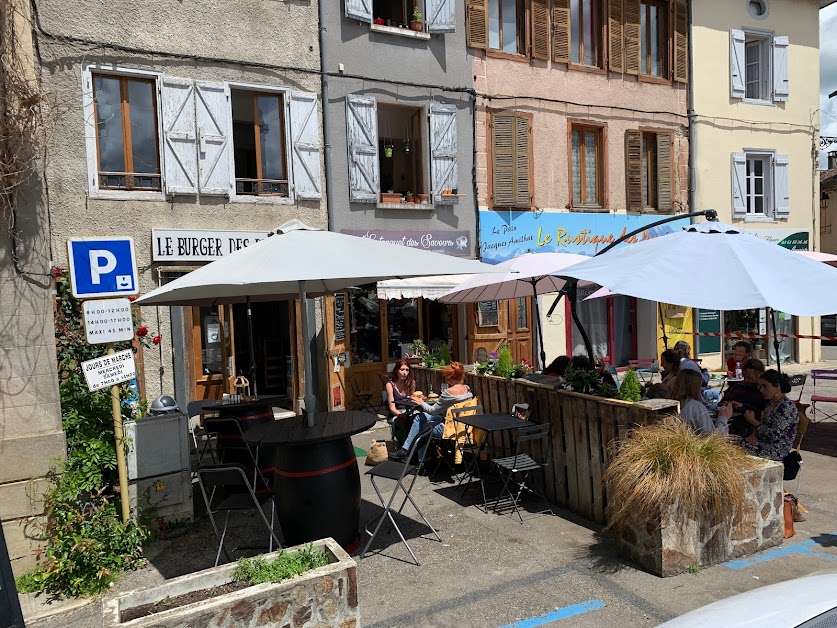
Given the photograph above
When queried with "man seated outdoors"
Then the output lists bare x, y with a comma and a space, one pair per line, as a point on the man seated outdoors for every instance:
741, 351
745, 396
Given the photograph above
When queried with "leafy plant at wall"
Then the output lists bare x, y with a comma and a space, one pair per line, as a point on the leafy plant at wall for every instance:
630, 390
588, 382
502, 364
86, 543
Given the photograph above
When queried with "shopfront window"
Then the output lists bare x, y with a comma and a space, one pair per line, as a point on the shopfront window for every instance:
366, 326
438, 324
402, 326
744, 322
211, 341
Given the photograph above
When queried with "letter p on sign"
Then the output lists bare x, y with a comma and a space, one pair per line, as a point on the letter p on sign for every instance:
102, 267
102, 262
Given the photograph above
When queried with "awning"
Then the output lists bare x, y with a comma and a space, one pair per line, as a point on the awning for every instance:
431, 287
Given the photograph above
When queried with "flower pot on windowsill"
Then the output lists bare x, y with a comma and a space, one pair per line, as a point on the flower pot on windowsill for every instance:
390, 197
423, 198
416, 25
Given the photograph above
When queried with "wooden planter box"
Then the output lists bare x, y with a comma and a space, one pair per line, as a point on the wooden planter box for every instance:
323, 596
672, 543
584, 428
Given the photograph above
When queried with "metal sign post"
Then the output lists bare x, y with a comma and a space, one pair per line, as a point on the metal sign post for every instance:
119, 437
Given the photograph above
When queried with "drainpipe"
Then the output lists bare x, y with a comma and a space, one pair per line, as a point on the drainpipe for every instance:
691, 113
326, 127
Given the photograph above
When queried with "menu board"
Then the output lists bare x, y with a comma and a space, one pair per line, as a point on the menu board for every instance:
709, 321
488, 313
340, 317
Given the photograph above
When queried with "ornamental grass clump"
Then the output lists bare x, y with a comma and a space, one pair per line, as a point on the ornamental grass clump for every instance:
286, 565
668, 463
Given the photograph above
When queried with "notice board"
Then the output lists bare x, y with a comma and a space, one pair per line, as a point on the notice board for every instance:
709, 321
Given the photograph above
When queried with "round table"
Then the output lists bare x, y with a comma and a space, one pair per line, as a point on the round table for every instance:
317, 480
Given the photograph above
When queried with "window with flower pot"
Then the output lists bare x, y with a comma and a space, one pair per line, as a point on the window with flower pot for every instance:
400, 151
432, 16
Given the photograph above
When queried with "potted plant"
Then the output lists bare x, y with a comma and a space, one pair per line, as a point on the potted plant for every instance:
390, 197
424, 198
388, 151
417, 23
409, 197
379, 21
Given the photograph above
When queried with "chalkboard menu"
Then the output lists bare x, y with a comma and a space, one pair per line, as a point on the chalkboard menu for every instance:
339, 317
488, 314
709, 321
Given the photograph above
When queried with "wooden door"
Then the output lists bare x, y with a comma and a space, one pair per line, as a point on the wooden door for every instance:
492, 324
211, 348
520, 329
337, 346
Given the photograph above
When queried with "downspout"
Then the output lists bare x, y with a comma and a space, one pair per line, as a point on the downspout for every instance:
326, 126
691, 113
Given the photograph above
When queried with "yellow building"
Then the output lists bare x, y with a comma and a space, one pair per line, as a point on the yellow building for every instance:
755, 98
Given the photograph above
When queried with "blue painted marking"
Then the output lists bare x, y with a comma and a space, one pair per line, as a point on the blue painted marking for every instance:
805, 548
558, 614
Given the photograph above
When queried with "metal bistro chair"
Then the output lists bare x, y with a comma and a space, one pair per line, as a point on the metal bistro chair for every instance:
198, 431
398, 471
522, 463
363, 398
231, 484
232, 448
829, 375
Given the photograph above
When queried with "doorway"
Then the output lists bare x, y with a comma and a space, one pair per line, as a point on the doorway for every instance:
272, 346
609, 322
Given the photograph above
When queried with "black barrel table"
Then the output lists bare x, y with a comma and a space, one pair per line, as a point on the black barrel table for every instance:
317, 480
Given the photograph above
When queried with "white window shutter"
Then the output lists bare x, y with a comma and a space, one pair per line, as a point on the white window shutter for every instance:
738, 88
359, 10
781, 86
440, 16
214, 121
305, 145
180, 154
781, 186
739, 185
362, 133
444, 173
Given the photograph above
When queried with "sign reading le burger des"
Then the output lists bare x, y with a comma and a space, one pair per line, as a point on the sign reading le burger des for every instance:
189, 245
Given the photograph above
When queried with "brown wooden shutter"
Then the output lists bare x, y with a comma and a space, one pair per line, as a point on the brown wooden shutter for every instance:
522, 136
633, 170
561, 31
540, 29
476, 23
502, 160
616, 35
681, 43
664, 186
632, 36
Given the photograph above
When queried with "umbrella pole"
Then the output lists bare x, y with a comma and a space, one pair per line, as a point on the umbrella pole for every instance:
572, 295
775, 340
252, 350
663, 324
310, 397
540, 353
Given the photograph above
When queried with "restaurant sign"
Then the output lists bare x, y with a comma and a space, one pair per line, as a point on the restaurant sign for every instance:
189, 245
508, 234
449, 242
792, 239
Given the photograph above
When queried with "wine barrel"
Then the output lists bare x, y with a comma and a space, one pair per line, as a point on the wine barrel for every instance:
318, 492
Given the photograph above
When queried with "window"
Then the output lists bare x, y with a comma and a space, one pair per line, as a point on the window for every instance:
400, 149
761, 185
261, 166
511, 172
366, 325
437, 16
648, 170
759, 66
825, 218
127, 149
653, 38
402, 326
586, 164
757, 70
393, 12
522, 313
585, 25
505, 25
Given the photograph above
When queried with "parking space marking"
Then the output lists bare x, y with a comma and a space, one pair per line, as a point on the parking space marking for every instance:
805, 548
558, 614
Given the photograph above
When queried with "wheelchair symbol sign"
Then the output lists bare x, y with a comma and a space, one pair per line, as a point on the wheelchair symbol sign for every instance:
102, 267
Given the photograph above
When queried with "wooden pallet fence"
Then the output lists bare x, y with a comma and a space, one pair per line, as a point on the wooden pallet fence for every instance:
584, 431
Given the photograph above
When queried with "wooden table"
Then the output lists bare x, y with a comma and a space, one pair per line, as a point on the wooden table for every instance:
317, 480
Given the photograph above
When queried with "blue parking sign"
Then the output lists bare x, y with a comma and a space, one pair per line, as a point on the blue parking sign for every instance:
102, 267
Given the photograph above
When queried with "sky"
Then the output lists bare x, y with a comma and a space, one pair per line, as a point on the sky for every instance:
828, 75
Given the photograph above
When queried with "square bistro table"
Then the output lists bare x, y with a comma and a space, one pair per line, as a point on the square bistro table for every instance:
488, 423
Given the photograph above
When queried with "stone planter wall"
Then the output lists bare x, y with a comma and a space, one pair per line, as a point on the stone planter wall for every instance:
323, 597
672, 543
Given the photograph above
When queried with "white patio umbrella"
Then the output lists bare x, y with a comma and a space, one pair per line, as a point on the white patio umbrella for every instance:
712, 265
528, 275
300, 261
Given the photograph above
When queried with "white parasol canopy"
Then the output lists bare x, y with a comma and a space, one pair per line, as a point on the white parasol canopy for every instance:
431, 287
712, 265
300, 261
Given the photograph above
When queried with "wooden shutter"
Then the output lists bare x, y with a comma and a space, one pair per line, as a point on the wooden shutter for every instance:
444, 173
664, 184
476, 23
510, 137
616, 35
522, 137
359, 10
632, 36
561, 31
681, 42
780, 68
305, 145
781, 186
441, 16
739, 185
540, 29
362, 134
633, 170
214, 123
737, 64
180, 154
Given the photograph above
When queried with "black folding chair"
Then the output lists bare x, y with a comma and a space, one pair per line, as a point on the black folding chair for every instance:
231, 485
232, 448
198, 432
522, 464
398, 471
363, 398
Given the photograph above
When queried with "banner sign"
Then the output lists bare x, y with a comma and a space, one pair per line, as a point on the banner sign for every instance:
189, 245
508, 234
449, 242
108, 370
792, 239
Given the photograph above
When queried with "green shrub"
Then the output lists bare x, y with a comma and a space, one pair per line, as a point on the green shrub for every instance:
630, 390
505, 363
287, 565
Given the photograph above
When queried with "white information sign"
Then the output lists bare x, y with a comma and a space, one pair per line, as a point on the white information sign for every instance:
108, 320
109, 369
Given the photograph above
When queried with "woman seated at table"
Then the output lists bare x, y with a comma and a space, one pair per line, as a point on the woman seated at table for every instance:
400, 387
776, 428
434, 415
687, 390
670, 367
